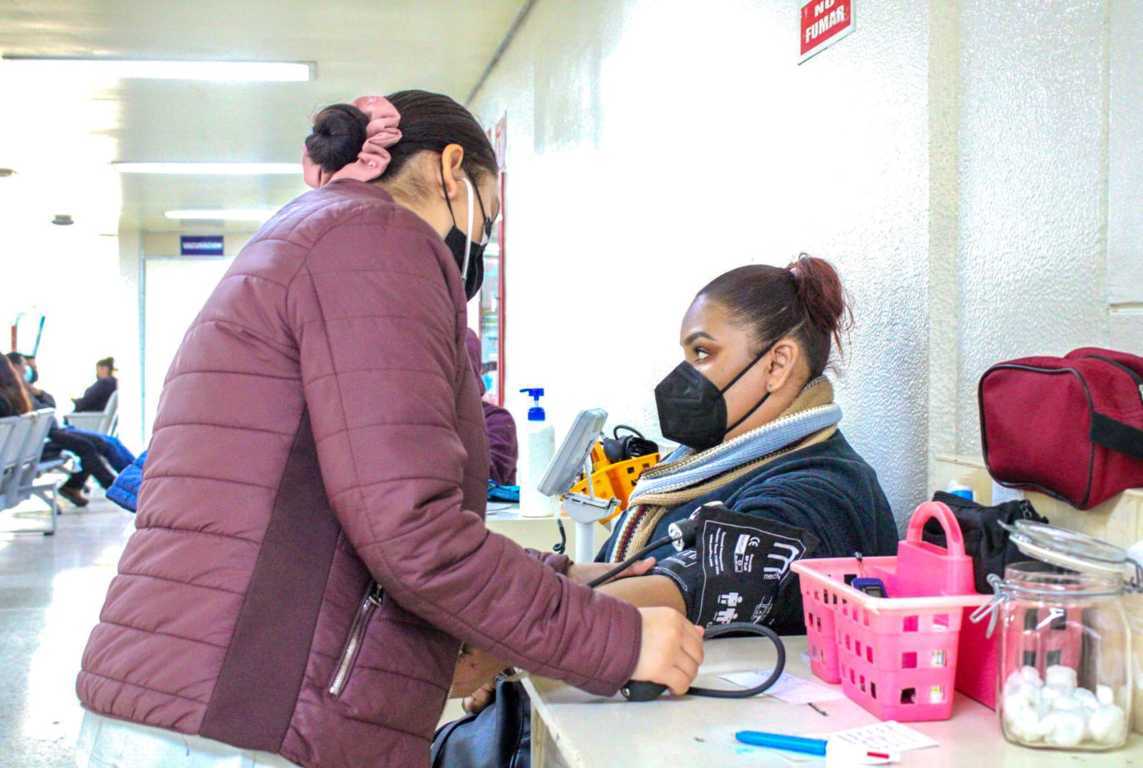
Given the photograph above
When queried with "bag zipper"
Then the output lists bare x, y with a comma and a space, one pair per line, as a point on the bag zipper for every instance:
369, 604
1090, 407
1126, 369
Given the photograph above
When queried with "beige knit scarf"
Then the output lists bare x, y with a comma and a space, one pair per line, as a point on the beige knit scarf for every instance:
636, 527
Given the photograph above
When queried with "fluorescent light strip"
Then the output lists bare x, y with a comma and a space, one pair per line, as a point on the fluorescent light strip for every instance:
129, 69
222, 214
211, 169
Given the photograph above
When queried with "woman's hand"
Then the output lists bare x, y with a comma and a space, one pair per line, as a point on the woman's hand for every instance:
474, 671
671, 652
480, 698
584, 573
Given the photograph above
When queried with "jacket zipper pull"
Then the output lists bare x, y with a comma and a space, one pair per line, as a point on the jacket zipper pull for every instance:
376, 594
373, 600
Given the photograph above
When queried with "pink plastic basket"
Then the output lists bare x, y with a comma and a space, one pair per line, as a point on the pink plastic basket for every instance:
896, 656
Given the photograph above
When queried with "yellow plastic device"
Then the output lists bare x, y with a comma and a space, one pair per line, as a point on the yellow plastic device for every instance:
614, 480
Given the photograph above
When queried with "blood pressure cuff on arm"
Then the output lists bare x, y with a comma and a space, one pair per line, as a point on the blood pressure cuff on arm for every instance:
738, 566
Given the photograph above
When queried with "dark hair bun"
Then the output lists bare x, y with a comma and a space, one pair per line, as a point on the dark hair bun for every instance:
821, 294
337, 137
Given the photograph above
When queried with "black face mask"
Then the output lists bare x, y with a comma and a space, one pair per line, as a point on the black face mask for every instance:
468, 253
692, 410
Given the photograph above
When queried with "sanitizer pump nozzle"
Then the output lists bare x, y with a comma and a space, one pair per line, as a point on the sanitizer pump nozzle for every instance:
536, 412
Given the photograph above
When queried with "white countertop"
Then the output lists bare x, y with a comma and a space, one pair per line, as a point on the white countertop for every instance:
693, 732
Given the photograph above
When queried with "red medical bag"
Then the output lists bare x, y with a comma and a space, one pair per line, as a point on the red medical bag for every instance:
1069, 426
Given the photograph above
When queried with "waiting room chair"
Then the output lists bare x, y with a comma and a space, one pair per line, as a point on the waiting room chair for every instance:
15, 431
105, 422
23, 485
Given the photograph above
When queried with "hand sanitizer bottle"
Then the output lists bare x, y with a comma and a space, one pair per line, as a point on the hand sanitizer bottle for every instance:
541, 445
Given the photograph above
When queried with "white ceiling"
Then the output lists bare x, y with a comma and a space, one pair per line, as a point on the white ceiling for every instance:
62, 136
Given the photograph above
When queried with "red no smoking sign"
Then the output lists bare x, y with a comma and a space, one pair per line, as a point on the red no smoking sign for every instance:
824, 22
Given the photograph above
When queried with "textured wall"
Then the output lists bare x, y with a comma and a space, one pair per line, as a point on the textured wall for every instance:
1033, 180
1125, 161
652, 147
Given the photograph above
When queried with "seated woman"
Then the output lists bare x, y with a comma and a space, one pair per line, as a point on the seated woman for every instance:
758, 430
758, 427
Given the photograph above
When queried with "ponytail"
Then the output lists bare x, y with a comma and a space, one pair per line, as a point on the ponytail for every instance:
823, 298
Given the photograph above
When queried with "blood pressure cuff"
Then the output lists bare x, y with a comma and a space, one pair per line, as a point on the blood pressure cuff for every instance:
738, 566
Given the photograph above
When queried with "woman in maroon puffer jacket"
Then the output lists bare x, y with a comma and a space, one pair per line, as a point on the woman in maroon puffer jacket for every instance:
311, 548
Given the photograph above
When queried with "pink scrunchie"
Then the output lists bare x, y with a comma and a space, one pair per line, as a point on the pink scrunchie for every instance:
380, 134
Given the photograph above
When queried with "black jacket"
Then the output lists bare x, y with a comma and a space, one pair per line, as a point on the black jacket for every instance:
827, 489
97, 395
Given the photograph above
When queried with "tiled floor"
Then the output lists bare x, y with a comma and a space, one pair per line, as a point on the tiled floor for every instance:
51, 590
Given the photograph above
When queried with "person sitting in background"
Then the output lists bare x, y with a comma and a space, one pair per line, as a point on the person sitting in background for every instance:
14, 400
498, 424
100, 456
96, 396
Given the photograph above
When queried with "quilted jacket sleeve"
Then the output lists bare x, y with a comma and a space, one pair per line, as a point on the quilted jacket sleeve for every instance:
376, 328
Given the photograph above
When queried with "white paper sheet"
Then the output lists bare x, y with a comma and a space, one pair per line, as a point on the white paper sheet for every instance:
889, 736
789, 688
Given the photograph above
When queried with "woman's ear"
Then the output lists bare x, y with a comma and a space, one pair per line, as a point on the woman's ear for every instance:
783, 362
452, 158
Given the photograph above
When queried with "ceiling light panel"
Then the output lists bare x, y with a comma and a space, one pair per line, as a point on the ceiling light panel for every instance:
130, 69
210, 169
221, 214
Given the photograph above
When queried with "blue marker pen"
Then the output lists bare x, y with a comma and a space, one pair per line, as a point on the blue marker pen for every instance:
782, 741
853, 754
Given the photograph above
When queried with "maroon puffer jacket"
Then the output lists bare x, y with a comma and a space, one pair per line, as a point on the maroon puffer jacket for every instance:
319, 431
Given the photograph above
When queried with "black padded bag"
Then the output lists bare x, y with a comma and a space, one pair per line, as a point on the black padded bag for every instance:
500, 736
985, 541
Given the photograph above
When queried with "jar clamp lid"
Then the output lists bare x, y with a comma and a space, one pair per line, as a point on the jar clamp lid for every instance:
1072, 550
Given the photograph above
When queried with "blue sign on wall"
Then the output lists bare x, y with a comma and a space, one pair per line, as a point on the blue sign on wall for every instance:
200, 245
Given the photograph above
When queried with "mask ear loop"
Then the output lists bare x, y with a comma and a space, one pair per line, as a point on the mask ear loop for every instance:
734, 381
471, 213
468, 233
486, 223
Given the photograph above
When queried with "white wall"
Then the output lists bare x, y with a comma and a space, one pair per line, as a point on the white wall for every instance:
952, 163
1125, 175
1033, 182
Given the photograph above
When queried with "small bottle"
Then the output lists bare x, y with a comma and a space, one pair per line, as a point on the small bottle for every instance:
957, 488
541, 445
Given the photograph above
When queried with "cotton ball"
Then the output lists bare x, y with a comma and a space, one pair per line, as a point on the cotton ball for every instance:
1027, 726
1060, 676
1087, 698
1013, 702
1021, 718
1106, 725
1030, 675
1063, 729
1015, 680
1105, 695
1065, 703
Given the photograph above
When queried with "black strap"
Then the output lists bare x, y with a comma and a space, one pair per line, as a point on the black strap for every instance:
1117, 435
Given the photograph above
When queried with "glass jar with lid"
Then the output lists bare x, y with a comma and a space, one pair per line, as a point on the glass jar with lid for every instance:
1066, 660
